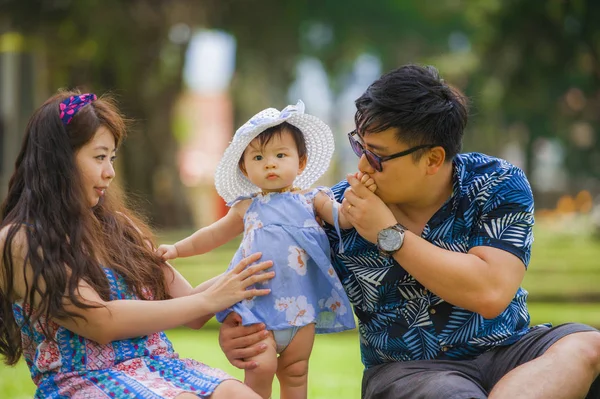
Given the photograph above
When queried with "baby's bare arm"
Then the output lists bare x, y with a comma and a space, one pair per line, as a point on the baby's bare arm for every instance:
324, 210
210, 237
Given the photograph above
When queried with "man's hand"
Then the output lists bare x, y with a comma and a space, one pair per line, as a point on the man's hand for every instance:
240, 342
365, 210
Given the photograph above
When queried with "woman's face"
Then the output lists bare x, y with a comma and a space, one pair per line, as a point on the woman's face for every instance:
95, 164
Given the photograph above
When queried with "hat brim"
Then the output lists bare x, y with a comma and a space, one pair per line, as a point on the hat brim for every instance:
231, 182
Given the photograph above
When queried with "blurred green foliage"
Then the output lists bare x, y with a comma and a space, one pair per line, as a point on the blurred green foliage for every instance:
531, 67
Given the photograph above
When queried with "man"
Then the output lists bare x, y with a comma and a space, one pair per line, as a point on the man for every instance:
434, 265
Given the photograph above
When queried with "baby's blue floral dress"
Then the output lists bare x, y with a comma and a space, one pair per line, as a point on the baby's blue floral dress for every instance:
305, 288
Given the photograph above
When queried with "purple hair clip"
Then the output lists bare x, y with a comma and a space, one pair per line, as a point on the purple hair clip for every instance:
70, 106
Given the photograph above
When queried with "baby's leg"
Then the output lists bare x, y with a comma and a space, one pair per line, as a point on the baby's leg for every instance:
292, 367
260, 379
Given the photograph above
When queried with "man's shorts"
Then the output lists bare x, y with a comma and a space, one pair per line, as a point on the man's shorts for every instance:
464, 379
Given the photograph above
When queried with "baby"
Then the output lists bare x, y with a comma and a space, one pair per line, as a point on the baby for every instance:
264, 176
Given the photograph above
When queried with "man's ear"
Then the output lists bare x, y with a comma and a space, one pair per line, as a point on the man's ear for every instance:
302, 164
435, 158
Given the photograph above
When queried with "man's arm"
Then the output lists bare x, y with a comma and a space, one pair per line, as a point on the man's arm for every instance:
484, 280
240, 342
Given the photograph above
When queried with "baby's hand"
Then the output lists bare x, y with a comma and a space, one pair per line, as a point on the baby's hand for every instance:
367, 181
167, 251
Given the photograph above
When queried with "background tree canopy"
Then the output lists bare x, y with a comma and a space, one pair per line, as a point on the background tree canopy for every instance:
531, 68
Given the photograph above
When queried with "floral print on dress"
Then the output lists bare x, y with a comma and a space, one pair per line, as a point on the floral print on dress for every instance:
297, 259
335, 303
298, 312
283, 227
68, 365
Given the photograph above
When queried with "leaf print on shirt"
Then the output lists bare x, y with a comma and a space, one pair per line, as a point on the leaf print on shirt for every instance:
510, 227
297, 259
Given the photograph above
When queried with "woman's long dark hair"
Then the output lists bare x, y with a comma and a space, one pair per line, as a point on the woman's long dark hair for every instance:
47, 220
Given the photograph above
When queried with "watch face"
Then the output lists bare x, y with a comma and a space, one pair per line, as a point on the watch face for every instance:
390, 240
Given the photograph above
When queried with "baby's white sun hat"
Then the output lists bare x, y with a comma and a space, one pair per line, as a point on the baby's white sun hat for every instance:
229, 179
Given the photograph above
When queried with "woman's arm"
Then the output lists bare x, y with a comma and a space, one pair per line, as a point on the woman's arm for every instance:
121, 319
178, 287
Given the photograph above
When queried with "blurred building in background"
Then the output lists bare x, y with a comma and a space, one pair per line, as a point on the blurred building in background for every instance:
189, 73
205, 120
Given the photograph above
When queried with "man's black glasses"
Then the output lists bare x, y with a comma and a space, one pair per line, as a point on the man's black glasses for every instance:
375, 160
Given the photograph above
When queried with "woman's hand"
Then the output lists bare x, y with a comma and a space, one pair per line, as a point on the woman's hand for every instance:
232, 287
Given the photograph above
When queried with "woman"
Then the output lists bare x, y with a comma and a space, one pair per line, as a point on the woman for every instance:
83, 296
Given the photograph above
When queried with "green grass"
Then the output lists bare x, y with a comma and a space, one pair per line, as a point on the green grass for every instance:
564, 264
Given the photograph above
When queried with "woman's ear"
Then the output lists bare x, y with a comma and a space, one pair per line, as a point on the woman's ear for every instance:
302, 164
435, 158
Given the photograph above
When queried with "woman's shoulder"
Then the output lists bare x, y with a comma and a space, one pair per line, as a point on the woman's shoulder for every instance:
15, 236
15, 233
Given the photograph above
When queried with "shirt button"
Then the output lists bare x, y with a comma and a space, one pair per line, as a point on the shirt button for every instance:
425, 291
444, 349
432, 311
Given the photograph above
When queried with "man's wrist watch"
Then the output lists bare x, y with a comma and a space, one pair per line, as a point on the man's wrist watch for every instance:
390, 239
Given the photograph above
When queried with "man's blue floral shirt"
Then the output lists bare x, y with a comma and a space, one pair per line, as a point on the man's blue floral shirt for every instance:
399, 319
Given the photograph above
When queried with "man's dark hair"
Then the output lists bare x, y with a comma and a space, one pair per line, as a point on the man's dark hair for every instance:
416, 101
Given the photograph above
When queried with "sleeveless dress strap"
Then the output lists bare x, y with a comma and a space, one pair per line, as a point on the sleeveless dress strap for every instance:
336, 215
336, 224
240, 198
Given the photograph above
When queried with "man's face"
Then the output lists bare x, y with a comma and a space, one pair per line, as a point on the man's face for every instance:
401, 178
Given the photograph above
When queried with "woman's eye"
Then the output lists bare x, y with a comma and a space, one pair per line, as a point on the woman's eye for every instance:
112, 159
101, 157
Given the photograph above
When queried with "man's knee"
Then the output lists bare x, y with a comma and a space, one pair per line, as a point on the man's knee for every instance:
584, 346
